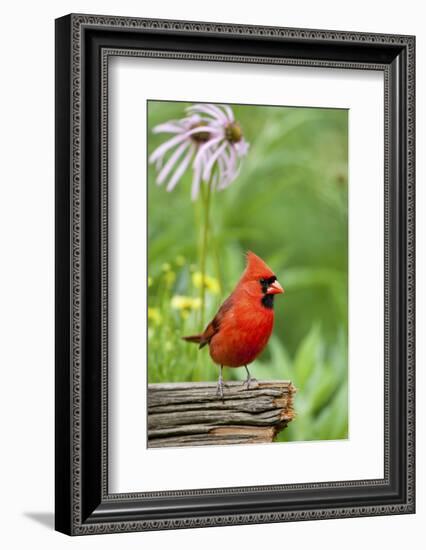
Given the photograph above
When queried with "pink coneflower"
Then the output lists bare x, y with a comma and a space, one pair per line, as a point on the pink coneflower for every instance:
210, 139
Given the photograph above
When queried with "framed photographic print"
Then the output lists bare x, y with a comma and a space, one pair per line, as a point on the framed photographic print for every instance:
234, 274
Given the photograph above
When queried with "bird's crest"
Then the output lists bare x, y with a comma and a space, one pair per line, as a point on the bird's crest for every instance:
256, 268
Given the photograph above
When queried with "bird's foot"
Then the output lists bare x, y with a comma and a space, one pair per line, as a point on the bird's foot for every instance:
249, 381
219, 388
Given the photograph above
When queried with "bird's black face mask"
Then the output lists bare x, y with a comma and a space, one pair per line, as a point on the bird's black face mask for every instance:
268, 299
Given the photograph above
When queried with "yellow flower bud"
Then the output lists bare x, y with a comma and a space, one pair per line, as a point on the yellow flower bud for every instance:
210, 283
185, 303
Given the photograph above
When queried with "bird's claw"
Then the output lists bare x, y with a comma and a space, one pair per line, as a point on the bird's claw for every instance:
247, 382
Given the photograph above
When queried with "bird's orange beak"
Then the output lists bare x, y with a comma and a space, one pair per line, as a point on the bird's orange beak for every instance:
275, 288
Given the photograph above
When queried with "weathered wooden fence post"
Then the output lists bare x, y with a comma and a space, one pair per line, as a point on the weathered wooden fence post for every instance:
187, 414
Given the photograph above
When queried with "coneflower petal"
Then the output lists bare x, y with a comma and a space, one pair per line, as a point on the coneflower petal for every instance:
219, 113
230, 167
223, 173
242, 148
203, 129
204, 148
228, 112
168, 127
171, 162
232, 158
235, 165
209, 109
209, 165
164, 147
180, 169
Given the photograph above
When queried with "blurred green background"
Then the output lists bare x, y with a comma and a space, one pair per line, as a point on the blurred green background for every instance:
289, 205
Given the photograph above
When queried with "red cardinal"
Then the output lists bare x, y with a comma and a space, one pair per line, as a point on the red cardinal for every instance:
242, 326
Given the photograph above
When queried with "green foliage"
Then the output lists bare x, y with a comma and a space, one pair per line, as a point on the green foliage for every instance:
319, 373
289, 205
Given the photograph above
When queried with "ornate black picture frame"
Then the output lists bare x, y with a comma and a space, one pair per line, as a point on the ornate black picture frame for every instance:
84, 44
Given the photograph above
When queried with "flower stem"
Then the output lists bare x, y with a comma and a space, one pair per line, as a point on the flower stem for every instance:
216, 256
206, 194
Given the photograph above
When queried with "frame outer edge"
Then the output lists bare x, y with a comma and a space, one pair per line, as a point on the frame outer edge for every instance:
77, 22
63, 495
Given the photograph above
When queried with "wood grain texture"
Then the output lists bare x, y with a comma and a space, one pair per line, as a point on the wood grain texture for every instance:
188, 414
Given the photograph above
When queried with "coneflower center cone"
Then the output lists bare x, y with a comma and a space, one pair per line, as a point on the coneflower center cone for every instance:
233, 132
200, 137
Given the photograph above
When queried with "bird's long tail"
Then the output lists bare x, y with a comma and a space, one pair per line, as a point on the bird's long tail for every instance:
195, 339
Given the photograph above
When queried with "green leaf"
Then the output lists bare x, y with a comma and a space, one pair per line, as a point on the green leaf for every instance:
323, 391
333, 422
308, 357
282, 366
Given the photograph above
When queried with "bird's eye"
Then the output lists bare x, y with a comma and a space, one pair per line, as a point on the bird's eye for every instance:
263, 281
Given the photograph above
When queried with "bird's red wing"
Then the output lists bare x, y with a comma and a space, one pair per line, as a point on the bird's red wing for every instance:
214, 326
